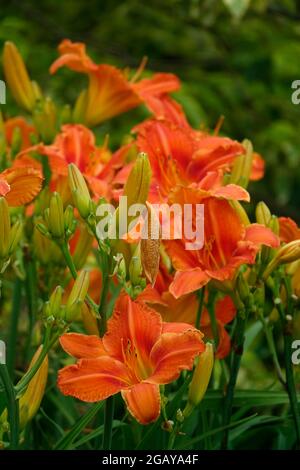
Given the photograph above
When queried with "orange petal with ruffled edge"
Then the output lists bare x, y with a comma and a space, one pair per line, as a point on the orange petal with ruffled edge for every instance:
25, 184
289, 230
232, 192
4, 187
172, 327
261, 235
73, 55
137, 325
143, 402
25, 129
173, 353
93, 380
82, 346
186, 282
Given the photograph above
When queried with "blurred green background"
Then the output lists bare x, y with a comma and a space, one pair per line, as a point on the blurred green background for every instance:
236, 58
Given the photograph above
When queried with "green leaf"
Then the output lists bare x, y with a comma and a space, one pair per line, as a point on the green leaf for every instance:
96, 433
66, 442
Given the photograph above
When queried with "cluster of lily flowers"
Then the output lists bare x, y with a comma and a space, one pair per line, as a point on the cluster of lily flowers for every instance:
150, 308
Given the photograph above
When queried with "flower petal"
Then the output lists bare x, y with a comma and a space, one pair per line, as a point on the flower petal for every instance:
25, 184
4, 187
143, 402
82, 346
134, 323
174, 327
261, 235
233, 192
188, 281
173, 353
93, 379
289, 230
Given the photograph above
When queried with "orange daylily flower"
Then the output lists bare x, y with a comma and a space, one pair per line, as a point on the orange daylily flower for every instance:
76, 144
180, 154
184, 309
20, 185
110, 92
227, 242
25, 129
289, 230
137, 354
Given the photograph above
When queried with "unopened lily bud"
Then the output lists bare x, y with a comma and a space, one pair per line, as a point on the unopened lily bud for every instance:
135, 267
259, 295
83, 247
56, 216
241, 212
274, 224
55, 302
137, 186
69, 221
4, 228
263, 214
286, 254
80, 192
89, 320
17, 77
15, 235
243, 288
30, 402
201, 378
150, 243
120, 267
242, 166
43, 230
38, 95
78, 294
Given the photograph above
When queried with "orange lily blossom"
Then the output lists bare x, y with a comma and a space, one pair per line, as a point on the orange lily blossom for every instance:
109, 92
25, 129
137, 354
227, 242
184, 309
20, 185
183, 155
289, 230
76, 144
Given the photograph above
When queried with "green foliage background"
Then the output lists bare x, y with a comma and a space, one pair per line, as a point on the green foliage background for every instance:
236, 58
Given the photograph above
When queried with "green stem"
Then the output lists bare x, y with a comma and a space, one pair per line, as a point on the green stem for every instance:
237, 351
288, 339
31, 295
108, 420
70, 263
12, 407
271, 344
104, 292
173, 436
201, 295
47, 344
13, 332
212, 316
